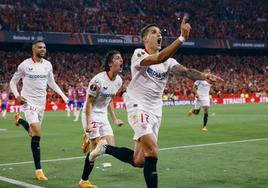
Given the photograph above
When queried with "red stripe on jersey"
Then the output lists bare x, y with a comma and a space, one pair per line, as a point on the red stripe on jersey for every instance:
109, 76
33, 59
146, 51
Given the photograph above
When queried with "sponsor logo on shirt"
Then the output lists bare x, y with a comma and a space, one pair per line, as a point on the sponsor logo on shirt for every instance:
35, 76
157, 75
106, 94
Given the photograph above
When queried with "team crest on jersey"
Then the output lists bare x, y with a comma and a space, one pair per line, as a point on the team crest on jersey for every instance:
105, 87
93, 87
30, 68
142, 53
139, 55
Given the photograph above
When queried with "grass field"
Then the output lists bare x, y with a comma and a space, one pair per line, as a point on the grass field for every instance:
233, 154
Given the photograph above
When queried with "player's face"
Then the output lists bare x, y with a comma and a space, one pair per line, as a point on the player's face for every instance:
117, 64
153, 39
39, 49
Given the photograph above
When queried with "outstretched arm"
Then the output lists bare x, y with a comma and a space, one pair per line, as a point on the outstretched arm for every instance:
193, 74
167, 52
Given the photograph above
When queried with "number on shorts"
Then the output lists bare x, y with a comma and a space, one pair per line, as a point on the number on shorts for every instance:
94, 124
144, 118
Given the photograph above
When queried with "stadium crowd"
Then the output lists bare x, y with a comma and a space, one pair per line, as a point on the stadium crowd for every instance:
223, 19
242, 74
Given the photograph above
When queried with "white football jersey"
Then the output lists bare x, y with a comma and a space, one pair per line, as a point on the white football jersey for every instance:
203, 88
103, 89
35, 77
148, 82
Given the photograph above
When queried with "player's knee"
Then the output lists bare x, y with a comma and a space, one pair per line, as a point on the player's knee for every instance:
139, 163
196, 111
152, 152
93, 143
34, 131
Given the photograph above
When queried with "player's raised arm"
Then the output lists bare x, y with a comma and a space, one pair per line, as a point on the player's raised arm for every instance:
152, 39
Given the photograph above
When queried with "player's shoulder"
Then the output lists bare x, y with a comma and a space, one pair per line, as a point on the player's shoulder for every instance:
100, 75
202, 82
47, 62
98, 78
119, 79
172, 61
139, 50
138, 53
197, 82
26, 61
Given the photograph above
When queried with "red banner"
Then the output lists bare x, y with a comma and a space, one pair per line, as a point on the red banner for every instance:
118, 103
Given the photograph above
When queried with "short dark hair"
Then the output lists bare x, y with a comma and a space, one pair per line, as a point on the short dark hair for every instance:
109, 59
144, 30
37, 41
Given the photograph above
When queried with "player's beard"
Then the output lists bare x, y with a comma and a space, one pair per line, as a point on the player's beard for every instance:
40, 55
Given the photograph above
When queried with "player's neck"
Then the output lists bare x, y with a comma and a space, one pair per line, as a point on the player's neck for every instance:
37, 59
111, 75
150, 50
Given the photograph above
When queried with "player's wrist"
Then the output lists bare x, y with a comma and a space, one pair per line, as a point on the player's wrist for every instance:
181, 39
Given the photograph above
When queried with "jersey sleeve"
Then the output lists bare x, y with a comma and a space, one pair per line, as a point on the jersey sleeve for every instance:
172, 62
94, 86
137, 57
196, 82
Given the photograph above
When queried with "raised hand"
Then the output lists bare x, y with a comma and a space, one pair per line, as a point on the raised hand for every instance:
185, 28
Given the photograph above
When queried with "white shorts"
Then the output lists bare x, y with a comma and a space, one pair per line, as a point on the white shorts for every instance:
143, 123
33, 114
102, 128
201, 103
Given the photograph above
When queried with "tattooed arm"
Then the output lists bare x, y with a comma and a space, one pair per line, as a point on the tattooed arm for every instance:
180, 70
193, 74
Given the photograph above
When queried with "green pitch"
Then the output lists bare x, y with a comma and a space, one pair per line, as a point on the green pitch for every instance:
233, 154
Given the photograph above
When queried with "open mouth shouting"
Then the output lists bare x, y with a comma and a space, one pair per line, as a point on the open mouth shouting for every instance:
159, 42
